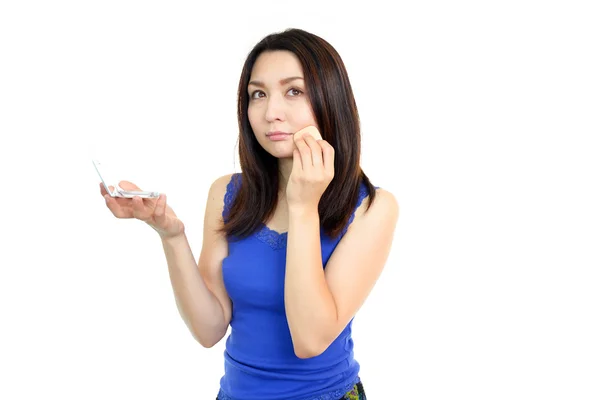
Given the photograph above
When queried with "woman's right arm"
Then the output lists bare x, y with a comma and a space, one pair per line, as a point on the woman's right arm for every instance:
199, 290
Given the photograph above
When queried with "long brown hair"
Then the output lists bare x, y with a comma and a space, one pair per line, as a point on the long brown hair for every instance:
330, 95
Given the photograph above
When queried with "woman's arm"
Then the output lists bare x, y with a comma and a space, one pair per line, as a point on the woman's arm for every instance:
320, 303
199, 291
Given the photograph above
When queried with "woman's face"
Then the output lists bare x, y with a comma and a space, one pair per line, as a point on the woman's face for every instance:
278, 105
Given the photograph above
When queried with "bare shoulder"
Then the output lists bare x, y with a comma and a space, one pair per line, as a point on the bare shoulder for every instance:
217, 190
385, 205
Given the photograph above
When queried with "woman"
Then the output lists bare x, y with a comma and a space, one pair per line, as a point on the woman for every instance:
291, 249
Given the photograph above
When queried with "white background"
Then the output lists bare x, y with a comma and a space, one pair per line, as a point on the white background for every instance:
482, 118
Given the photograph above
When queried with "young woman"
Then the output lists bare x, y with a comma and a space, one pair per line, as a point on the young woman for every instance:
293, 244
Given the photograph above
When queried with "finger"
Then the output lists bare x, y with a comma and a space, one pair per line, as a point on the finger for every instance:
160, 215
103, 189
114, 207
305, 153
316, 150
126, 185
328, 157
139, 211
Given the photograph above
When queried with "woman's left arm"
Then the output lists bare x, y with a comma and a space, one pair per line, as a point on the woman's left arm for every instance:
320, 302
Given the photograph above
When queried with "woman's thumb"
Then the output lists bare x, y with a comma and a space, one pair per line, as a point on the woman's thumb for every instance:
126, 185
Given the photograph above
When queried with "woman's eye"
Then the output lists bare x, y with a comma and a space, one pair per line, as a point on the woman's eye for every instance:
259, 93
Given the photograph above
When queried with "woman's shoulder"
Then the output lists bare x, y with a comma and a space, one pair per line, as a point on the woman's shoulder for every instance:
220, 188
222, 181
219, 184
384, 203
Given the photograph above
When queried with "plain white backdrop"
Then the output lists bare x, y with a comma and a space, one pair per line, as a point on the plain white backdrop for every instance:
481, 117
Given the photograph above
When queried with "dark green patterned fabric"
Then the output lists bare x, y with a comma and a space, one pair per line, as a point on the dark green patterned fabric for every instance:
357, 393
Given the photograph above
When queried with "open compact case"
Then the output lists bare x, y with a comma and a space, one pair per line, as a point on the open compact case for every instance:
118, 191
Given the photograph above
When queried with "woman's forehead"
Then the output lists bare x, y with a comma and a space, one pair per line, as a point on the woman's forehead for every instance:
275, 66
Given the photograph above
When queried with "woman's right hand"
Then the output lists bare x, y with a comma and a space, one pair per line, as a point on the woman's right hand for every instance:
153, 211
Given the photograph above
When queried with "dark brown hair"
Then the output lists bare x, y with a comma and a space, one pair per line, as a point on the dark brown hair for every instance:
330, 95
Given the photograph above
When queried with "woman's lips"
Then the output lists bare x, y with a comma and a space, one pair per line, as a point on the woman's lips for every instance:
277, 136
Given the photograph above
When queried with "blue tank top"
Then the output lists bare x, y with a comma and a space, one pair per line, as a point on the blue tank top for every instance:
260, 363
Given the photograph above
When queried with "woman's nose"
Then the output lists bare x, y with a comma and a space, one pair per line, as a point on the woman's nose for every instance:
275, 109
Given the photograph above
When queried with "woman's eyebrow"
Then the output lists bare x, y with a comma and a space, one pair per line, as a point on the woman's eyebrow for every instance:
281, 82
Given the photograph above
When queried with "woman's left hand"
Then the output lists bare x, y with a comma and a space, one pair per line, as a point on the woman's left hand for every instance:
312, 171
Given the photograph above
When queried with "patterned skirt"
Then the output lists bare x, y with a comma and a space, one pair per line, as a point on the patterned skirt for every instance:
356, 393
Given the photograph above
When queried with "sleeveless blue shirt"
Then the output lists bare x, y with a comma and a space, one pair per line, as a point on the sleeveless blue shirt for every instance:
260, 363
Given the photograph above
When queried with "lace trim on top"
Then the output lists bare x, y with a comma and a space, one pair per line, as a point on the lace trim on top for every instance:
362, 193
272, 238
335, 395
230, 195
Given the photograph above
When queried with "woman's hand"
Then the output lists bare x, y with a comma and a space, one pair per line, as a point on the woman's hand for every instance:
312, 171
155, 211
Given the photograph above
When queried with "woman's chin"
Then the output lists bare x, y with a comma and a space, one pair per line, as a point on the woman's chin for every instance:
282, 155
281, 152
